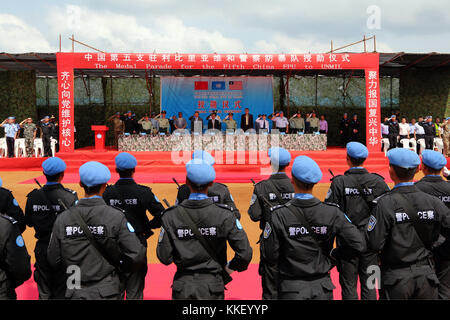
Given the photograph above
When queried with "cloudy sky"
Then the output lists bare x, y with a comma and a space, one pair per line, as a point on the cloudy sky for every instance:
226, 26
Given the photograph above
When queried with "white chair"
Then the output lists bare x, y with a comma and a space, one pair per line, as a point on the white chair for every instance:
386, 144
3, 148
38, 147
413, 144
421, 143
407, 144
19, 147
53, 143
438, 144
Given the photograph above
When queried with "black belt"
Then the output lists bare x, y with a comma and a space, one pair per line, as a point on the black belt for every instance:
419, 263
307, 278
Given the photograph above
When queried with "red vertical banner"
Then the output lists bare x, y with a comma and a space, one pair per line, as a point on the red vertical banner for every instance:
66, 102
373, 113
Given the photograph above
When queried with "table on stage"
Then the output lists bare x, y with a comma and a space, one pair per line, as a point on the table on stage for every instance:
222, 142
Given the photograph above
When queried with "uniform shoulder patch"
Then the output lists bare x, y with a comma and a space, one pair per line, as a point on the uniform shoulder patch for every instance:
161, 234
224, 206
276, 207
238, 224
130, 227
19, 241
10, 219
372, 223
267, 231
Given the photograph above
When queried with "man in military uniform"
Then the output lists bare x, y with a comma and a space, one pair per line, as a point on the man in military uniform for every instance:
432, 183
430, 132
146, 125
96, 238
403, 228
268, 193
297, 123
218, 192
10, 207
135, 200
47, 129
230, 122
354, 192
15, 266
29, 133
200, 275
118, 126
41, 211
164, 124
298, 241
344, 129
313, 123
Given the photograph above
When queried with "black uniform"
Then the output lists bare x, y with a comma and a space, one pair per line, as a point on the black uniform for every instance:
198, 276
430, 134
438, 187
69, 247
218, 192
40, 214
138, 199
10, 207
345, 192
260, 211
394, 130
344, 126
302, 259
131, 124
354, 125
15, 266
407, 270
48, 130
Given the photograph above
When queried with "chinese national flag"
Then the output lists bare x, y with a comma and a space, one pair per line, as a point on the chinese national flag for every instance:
235, 85
201, 85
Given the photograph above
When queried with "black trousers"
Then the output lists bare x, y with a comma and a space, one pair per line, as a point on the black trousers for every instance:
443, 274
10, 146
317, 289
282, 129
269, 278
198, 286
392, 141
47, 145
429, 142
349, 270
418, 137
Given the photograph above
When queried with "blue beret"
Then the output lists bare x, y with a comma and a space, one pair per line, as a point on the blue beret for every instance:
403, 158
53, 166
46, 117
11, 118
279, 156
306, 170
93, 173
434, 159
125, 161
200, 172
357, 150
448, 118
393, 116
205, 156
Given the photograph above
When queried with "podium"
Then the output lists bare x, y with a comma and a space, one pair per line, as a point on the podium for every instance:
100, 135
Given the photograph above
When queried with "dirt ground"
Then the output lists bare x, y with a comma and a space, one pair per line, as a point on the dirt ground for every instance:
241, 192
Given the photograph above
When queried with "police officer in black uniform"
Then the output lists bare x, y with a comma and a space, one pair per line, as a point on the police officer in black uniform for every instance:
432, 183
298, 241
354, 192
430, 132
394, 131
404, 227
266, 194
40, 213
199, 275
130, 122
10, 207
71, 249
135, 200
344, 129
48, 130
218, 192
15, 266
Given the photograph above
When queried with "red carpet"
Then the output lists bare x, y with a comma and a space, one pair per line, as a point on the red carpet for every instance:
237, 167
245, 285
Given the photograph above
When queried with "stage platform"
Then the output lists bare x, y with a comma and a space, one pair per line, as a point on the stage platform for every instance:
231, 166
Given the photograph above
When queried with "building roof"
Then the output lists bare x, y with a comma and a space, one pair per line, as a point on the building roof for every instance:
391, 64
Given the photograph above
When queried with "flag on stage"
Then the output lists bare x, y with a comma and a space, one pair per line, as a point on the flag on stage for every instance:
201, 85
235, 85
218, 85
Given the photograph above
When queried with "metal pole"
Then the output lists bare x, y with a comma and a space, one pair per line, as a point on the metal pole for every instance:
374, 44
364, 39
331, 46
73, 44
59, 42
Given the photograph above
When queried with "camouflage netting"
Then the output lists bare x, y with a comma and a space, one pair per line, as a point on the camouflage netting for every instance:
418, 92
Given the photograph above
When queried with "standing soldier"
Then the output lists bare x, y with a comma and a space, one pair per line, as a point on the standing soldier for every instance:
430, 132
135, 200
403, 228
130, 123
94, 240
194, 236
10, 207
298, 241
433, 163
354, 192
55, 132
47, 129
29, 133
446, 136
230, 122
344, 129
11, 133
118, 127
218, 192
164, 124
41, 211
15, 266
146, 125
297, 123
277, 190
155, 123
355, 128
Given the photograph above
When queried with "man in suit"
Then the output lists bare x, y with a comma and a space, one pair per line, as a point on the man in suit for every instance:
213, 123
246, 120
196, 122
